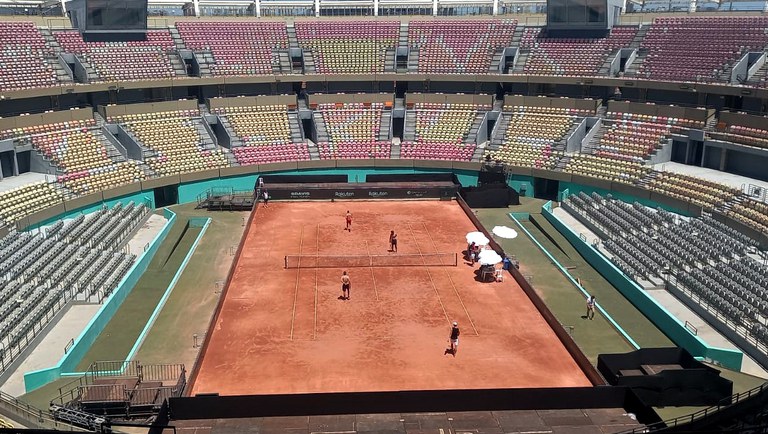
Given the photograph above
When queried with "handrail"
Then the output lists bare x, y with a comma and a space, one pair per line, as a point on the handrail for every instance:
703, 413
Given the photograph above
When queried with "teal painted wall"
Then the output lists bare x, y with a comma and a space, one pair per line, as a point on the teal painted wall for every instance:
522, 184
37, 379
577, 188
189, 191
663, 319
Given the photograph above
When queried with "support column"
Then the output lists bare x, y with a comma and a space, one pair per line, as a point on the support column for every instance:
63, 8
15, 165
495, 7
434, 8
257, 6
196, 4
723, 159
692, 6
375, 8
317, 8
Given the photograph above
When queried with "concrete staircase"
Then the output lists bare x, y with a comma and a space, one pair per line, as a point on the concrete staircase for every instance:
281, 62
53, 60
395, 149
605, 68
645, 180
177, 40
501, 131
389, 60
409, 126
413, 61
178, 65
522, 59
112, 152
309, 62
386, 125
496, 61
322, 131
471, 136
297, 136
639, 37
90, 71
205, 60
235, 139
293, 42
594, 142
518, 35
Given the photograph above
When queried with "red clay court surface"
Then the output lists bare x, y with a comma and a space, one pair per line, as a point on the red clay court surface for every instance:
286, 330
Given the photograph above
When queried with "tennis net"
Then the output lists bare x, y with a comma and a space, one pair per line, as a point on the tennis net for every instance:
393, 260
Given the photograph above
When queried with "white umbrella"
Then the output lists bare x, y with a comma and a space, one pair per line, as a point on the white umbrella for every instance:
489, 257
478, 238
504, 232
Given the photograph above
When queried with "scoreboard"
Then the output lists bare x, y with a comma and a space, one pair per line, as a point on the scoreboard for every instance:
105, 19
598, 15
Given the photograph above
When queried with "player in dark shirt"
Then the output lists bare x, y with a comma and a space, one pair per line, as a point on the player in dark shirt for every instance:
454, 339
392, 241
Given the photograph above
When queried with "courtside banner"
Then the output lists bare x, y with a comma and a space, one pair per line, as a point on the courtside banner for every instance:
362, 192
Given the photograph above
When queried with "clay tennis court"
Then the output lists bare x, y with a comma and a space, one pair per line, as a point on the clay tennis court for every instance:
287, 331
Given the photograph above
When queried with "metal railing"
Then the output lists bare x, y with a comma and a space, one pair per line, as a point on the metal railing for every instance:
30, 415
702, 414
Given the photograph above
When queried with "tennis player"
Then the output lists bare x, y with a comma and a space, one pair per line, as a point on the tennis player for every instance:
349, 221
392, 241
346, 285
454, 338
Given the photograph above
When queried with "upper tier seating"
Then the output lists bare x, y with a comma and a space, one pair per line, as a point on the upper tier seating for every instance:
609, 169
701, 192
348, 47
459, 46
699, 49
570, 56
744, 135
133, 60
441, 132
238, 48
353, 130
174, 142
532, 136
752, 213
265, 134
23, 53
20, 202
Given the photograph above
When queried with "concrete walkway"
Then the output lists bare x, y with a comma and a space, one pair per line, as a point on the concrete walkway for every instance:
23, 179
51, 349
705, 331
146, 233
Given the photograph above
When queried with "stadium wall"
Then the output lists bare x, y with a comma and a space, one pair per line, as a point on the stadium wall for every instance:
36, 379
663, 319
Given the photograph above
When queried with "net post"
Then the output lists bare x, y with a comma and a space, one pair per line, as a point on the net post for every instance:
286, 261
455, 259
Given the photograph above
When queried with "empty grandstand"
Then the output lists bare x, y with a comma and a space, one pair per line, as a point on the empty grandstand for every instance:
94, 134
